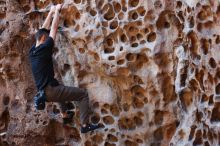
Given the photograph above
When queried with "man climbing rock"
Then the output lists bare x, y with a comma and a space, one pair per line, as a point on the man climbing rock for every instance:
49, 89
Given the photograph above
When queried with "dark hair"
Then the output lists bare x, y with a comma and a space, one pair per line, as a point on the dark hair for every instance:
41, 32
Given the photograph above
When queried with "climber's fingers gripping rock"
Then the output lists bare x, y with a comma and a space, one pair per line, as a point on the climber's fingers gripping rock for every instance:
59, 7
53, 8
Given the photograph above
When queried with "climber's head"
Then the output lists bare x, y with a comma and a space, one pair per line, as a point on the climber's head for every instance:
42, 35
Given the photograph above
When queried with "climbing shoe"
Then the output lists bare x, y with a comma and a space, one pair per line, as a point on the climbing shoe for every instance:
90, 127
69, 118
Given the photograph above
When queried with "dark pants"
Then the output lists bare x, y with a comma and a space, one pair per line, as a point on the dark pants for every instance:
63, 94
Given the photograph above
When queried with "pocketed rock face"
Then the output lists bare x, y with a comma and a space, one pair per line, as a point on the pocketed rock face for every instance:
151, 68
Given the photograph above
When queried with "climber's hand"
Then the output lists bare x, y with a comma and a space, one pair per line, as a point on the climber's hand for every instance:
52, 9
59, 6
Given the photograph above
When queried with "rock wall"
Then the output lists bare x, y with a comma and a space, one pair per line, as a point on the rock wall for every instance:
151, 68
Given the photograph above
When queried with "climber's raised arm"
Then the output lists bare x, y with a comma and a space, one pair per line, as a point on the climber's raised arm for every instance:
55, 22
47, 21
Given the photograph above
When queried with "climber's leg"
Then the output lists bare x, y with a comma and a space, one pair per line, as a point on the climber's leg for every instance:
63, 93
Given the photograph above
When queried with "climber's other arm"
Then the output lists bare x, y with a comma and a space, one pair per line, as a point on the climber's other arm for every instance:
55, 22
47, 21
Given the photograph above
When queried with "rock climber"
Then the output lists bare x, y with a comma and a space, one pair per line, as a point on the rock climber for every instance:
49, 89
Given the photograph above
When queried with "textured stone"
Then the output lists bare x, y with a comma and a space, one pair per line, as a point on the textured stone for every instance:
151, 68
